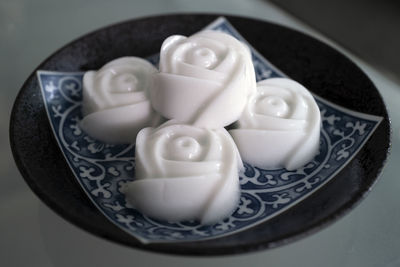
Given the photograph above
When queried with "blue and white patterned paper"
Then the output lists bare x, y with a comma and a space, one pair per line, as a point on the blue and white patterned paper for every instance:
102, 169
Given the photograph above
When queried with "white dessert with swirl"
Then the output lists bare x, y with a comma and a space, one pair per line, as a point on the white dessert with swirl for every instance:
115, 102
204, 79
185, 173
280, 126
188, 168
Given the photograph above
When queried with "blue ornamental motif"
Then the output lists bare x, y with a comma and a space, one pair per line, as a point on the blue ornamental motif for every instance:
103, 169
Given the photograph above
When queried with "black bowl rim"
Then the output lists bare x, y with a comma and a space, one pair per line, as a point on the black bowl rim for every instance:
233, 249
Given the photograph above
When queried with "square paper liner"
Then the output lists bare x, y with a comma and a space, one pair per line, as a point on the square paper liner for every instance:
102, 169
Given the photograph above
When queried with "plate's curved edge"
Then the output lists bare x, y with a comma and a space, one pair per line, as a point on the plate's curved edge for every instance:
57, 209
54, 206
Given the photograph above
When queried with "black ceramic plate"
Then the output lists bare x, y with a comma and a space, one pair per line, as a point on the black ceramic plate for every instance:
319, 67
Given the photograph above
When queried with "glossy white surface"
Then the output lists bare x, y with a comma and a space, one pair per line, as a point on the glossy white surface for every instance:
33, 235
185, 173
279, 127
212, 69
115, 102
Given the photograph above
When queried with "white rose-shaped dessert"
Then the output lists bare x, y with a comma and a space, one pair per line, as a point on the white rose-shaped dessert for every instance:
185, 173
115, 102
279, 127
204, 79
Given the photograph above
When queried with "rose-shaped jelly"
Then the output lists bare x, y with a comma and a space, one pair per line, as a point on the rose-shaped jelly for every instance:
204, 79
279, 127
185, 173
115, 102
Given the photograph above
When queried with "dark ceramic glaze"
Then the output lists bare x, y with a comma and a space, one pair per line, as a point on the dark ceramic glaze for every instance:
319, 67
